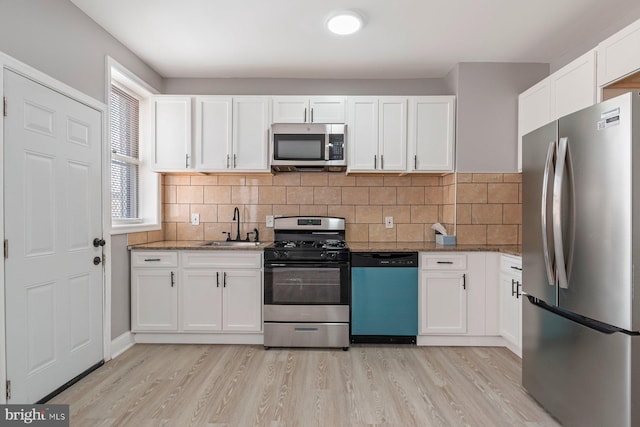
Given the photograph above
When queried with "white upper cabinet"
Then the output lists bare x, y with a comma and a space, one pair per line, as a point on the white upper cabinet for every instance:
171, 133
573, 87
232, 134
213, 132
619, 55
569, 89
251, 134
431, 133
303, 109
377, 134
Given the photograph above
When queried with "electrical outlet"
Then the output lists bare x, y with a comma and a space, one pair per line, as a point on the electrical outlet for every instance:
388, 221
269, 221
195, 219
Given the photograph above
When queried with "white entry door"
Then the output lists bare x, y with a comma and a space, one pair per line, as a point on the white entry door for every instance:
54, 292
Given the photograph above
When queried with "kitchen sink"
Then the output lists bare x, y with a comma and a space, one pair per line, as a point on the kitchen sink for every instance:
231, 243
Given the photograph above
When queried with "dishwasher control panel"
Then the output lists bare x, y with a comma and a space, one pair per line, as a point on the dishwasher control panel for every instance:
384, 259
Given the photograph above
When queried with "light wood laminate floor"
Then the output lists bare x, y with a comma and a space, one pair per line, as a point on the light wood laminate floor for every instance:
242, 385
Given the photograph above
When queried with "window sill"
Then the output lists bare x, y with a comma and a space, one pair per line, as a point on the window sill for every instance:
133, 228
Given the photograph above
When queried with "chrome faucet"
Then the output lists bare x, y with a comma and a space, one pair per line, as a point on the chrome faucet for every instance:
237, 211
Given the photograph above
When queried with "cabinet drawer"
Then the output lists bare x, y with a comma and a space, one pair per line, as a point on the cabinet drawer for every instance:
221, 259
511, 264
154, 259
444, 261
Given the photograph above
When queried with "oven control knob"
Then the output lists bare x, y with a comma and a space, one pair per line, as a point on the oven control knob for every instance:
275, 254
284, 255
332, 255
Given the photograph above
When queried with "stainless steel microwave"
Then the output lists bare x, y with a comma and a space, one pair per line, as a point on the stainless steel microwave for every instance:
300, 147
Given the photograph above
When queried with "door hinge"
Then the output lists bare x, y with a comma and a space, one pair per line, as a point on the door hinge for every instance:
8, 391
6, 248
4, 106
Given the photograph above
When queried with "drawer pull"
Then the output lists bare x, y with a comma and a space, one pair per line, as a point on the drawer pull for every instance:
152, 259
306, 329
445, 262
516, 268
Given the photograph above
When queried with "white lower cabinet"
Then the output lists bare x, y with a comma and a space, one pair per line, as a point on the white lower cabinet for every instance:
444, 303
154, 291
206, 291
511, 302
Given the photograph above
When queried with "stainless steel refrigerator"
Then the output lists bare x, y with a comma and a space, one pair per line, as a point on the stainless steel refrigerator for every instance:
581, 243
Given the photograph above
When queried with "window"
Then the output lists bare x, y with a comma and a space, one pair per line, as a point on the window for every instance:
125, 134
135, 189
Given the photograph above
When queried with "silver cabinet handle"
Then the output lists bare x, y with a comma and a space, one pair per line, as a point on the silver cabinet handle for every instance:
518, 293
415, 162
305, 115
375, 161
312, 115
186, 160
235, 161
151, 259
513, 282
227, 161
381, 161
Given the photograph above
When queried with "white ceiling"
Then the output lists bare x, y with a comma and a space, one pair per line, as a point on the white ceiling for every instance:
400, 38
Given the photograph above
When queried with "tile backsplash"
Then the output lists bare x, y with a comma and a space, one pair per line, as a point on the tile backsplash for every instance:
479, 208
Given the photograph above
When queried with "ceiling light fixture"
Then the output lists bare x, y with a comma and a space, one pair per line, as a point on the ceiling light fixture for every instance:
344, 23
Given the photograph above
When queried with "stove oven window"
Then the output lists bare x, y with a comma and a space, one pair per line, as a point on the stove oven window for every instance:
306, 286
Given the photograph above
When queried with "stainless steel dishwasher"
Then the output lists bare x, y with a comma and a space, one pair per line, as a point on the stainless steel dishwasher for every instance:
384, 297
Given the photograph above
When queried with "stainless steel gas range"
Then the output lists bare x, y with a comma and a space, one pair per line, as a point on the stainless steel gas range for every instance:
307, 284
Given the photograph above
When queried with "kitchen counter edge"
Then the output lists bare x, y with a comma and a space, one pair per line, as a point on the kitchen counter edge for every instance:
354, 246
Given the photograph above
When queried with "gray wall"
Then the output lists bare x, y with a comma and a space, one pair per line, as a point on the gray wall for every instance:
120, 286
487, 113
58, 39
631, 13
306, 86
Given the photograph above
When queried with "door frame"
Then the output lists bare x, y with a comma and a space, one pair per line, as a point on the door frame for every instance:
12, 64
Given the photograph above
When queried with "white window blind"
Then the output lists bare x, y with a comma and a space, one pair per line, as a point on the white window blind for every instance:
124, 155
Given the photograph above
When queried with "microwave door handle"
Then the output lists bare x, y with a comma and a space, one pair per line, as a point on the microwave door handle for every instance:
327, 146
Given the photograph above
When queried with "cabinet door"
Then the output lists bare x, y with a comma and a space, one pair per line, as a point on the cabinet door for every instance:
290, 109
171, 132
250, 134
509, 309
201, 300
534, 110
242, 300
574, 86
431, 133
619, 56
327, 109
392, 134
154, 299
362, 133
443, 303
213, 133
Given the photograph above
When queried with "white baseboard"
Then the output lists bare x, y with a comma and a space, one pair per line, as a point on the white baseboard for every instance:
121, 344
187, 338
465, 341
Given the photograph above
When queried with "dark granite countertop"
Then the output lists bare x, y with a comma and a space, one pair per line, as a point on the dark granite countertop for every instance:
354, 246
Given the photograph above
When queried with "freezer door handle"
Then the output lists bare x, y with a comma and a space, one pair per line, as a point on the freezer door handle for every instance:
548, 262
563, 264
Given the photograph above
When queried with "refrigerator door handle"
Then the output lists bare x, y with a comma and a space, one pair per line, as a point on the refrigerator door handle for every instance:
563, 264
548, 263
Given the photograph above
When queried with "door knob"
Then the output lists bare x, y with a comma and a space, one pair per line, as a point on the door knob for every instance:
98, 242
97, 260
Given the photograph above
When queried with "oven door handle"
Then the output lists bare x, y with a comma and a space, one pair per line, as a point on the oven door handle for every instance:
306, 265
